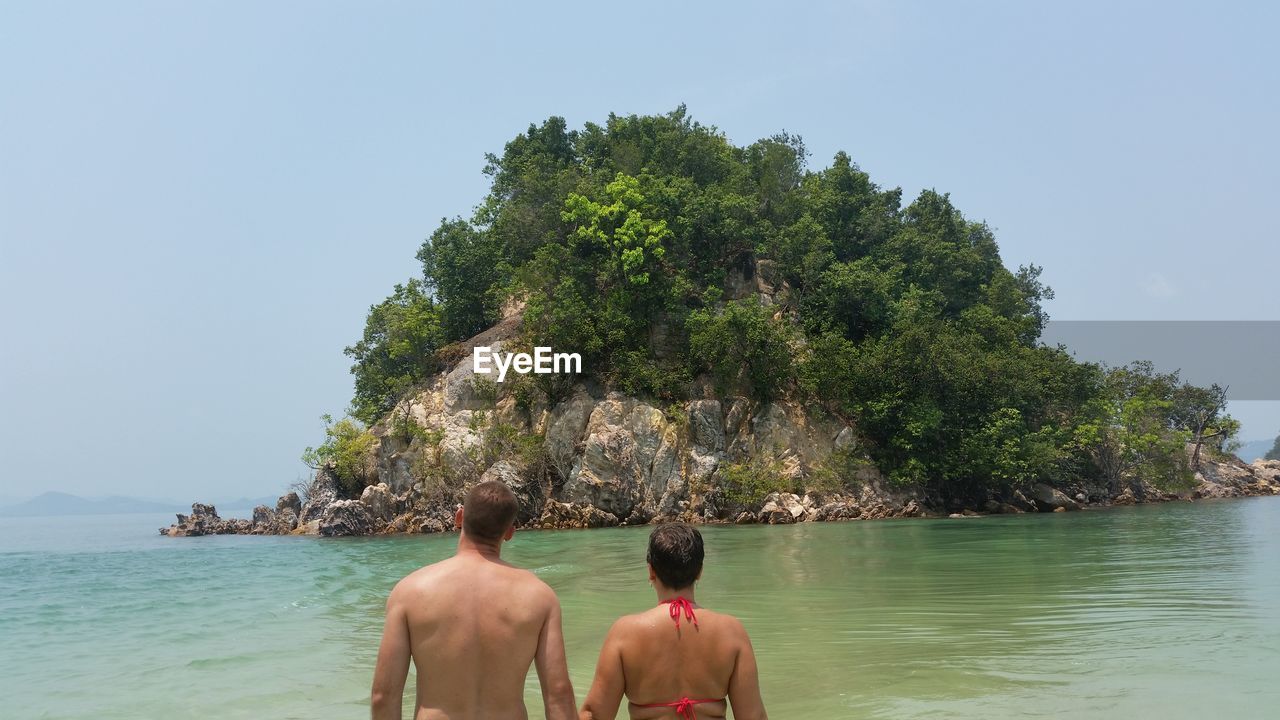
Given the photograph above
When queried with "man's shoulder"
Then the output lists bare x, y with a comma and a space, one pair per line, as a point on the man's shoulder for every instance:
419, 579
534, 585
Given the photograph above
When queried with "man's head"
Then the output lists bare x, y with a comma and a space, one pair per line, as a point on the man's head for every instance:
489, 512
675, 554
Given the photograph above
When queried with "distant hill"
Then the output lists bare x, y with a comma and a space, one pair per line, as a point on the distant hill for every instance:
56, 503
1254, 449
246, 503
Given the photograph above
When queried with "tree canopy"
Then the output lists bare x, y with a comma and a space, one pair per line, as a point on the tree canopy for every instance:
641, 243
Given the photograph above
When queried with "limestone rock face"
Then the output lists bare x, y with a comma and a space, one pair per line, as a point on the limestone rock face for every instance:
628, 457
380, 503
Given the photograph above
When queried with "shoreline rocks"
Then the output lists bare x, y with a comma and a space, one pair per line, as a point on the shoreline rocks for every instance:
379, 511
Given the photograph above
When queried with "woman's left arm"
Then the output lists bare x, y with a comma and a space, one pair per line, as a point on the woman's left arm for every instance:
606, 689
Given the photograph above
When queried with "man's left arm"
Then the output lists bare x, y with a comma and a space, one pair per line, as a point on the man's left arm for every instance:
389, 675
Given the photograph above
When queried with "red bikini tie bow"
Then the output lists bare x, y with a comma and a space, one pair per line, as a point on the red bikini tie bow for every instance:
682, 604
684, 708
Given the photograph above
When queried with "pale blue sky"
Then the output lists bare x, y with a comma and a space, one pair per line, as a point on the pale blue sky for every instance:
200, 200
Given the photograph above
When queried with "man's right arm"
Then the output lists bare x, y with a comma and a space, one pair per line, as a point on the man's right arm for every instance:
553, 669
744, 684
387, 698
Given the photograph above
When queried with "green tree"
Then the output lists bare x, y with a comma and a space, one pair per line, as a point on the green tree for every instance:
462, 266
1130, 434
400, 336
348, 451
1201, 413
621, 226
743, 344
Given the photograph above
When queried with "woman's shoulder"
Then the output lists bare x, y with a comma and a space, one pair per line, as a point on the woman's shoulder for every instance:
660, 617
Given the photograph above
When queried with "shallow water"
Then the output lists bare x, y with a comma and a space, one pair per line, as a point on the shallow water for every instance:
1164, 611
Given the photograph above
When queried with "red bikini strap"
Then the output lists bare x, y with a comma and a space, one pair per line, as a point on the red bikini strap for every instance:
684, 708
678, 605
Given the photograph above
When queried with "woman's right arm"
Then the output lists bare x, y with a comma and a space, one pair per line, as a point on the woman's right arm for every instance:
606, 689
744, 685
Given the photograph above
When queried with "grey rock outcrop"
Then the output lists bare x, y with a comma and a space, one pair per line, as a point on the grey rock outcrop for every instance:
1051, 499
567, 516
346, 517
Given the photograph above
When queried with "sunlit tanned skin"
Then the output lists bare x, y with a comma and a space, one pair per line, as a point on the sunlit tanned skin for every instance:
473, 624
649, 660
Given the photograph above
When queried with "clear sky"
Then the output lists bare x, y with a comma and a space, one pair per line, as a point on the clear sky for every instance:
200, 200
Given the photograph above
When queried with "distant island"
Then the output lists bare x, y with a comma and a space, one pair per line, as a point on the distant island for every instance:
58, 503
1255, 450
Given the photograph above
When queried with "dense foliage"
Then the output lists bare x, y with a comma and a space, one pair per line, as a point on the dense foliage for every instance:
643, 243
1274, 452
348, 451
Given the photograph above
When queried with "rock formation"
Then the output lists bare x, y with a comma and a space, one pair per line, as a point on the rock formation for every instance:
596, 458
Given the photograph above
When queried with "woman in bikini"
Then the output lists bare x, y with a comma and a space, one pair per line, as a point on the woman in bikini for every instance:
677, 659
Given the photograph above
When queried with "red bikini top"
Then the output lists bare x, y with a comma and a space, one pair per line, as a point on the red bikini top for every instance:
679, 605
683, 706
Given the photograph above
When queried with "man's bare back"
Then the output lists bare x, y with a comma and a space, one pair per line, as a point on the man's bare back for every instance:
473, 624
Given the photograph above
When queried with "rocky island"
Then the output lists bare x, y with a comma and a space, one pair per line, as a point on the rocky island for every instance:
754, 342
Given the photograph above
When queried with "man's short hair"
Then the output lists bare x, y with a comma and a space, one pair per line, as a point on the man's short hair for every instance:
675, 552
488, 511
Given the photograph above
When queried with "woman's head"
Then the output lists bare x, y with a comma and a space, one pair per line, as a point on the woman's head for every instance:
675, 554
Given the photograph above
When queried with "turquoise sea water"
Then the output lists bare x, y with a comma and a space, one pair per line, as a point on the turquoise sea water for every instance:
1166, 611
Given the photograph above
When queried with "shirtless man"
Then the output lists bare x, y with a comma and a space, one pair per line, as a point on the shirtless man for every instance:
679, 659
473, 624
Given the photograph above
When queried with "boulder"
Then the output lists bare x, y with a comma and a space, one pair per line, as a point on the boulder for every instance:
995, 507
346, 517
286, 521
264, 521
289, 501
1020, 501
570, 516
840, 509
913, 509
383, 506
1048, 498
412, 522
781, 509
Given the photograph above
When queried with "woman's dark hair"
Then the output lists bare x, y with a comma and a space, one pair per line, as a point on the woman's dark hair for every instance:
675, 552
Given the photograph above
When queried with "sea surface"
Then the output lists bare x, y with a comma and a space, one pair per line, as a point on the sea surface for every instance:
1165, 611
